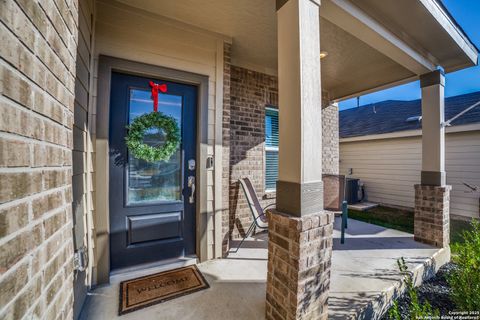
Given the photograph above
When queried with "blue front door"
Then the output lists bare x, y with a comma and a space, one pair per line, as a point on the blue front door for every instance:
152, 204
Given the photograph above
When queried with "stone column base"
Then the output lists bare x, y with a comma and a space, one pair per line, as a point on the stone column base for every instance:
432, 215
299, 260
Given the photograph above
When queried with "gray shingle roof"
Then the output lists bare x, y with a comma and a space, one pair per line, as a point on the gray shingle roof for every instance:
391, 115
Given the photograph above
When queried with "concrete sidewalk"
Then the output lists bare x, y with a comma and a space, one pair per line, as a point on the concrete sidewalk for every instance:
365, 275
363, 280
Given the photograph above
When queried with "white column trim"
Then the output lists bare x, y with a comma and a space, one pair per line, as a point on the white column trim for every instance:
299, 186
433, 131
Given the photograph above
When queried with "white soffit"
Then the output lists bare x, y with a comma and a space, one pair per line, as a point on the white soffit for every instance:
425, 26
398, 40
250, 23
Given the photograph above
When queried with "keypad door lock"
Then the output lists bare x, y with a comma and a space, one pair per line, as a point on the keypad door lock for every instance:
191, 164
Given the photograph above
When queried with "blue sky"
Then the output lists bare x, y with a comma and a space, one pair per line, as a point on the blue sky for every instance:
467, 14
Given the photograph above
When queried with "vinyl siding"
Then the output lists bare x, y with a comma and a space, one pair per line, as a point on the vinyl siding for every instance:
82, 154
390, 167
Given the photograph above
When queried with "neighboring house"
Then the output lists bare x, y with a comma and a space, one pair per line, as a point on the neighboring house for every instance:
77, 207
380, 144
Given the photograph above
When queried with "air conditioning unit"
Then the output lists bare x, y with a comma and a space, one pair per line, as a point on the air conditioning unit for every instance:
353, 190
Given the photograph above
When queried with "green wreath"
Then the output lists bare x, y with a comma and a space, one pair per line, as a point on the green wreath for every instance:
136, 132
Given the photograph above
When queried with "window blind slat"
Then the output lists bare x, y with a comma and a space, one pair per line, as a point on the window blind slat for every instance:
271, 169
271, 128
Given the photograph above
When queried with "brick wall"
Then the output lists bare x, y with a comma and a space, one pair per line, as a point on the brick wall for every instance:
331, 157
330, 145
250, 93
37, 72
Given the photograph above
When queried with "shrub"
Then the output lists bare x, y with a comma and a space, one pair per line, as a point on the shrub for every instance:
465, 278
416, 309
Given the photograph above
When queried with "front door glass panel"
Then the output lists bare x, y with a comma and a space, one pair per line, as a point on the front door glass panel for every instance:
161, 181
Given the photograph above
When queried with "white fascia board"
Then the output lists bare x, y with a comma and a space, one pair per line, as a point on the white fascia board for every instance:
355, 21
451, 28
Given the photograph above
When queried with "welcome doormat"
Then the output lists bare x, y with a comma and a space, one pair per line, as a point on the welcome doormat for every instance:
149, 290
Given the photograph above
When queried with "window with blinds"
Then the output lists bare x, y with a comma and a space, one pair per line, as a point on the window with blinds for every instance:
271, 148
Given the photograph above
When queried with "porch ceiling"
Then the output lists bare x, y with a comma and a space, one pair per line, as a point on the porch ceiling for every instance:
371, 44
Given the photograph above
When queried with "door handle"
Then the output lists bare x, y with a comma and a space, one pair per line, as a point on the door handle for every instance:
191, 185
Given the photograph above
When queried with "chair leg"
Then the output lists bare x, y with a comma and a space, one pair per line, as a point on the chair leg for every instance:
252, 226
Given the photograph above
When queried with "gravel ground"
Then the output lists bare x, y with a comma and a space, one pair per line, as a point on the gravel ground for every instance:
436, 291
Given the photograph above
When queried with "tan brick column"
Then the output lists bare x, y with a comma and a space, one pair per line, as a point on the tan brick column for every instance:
299, 259
300, 231
432, 215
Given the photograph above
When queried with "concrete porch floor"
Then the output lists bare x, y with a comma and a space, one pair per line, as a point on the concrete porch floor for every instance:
364, 276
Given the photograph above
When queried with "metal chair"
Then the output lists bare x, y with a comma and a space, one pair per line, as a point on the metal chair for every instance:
258, 213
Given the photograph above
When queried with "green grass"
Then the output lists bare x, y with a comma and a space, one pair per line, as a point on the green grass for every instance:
386, 217
402, 220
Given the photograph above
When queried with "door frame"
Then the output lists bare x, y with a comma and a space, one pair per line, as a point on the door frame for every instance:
106, 66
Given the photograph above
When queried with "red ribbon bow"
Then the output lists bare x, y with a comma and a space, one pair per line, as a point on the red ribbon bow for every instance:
155, 88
